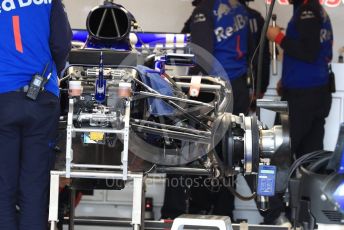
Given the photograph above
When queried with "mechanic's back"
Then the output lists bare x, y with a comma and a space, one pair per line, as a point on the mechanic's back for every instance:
33, 34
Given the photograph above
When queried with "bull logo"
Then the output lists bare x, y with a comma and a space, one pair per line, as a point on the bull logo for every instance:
222, 11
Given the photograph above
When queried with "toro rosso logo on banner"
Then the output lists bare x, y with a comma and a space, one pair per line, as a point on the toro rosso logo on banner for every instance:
328, 3
9, 5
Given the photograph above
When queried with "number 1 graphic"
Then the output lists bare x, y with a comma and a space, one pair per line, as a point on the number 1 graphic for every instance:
16, 33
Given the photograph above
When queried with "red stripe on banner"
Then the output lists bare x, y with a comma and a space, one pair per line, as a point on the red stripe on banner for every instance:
17, 35
238, 48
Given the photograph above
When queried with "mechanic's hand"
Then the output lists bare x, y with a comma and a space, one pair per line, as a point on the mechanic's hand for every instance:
273, 32
279, 88
253, 105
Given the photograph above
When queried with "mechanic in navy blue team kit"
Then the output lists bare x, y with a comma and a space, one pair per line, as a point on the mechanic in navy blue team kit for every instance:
221, 27
33, 35
305, 82
256, 22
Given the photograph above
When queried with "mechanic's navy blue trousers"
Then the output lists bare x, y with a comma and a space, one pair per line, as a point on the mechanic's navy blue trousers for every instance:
27, 138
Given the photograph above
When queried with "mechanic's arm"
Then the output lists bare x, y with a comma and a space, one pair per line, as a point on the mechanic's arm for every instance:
202, 31
186, 29
306, 48
202, 34
60, 35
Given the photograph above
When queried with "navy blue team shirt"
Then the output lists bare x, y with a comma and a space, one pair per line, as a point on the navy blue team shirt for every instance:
308, 47
221, 28
32, 34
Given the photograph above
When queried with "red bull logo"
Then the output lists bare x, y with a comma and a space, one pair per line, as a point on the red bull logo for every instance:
9, 5
328, 3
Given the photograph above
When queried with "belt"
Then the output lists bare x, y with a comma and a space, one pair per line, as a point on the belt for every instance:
23, 89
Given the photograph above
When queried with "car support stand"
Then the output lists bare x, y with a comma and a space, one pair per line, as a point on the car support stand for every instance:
138, 194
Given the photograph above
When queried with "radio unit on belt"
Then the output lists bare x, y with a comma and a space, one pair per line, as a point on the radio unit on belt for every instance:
37, 84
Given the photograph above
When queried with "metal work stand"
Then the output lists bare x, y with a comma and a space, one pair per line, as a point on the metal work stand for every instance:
89, 171
71, 131
138, 194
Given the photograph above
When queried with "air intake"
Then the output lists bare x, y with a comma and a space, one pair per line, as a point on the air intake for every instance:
109, 23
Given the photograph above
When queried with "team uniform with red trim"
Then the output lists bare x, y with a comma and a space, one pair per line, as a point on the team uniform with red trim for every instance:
221, 27
32, 35
308, 46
